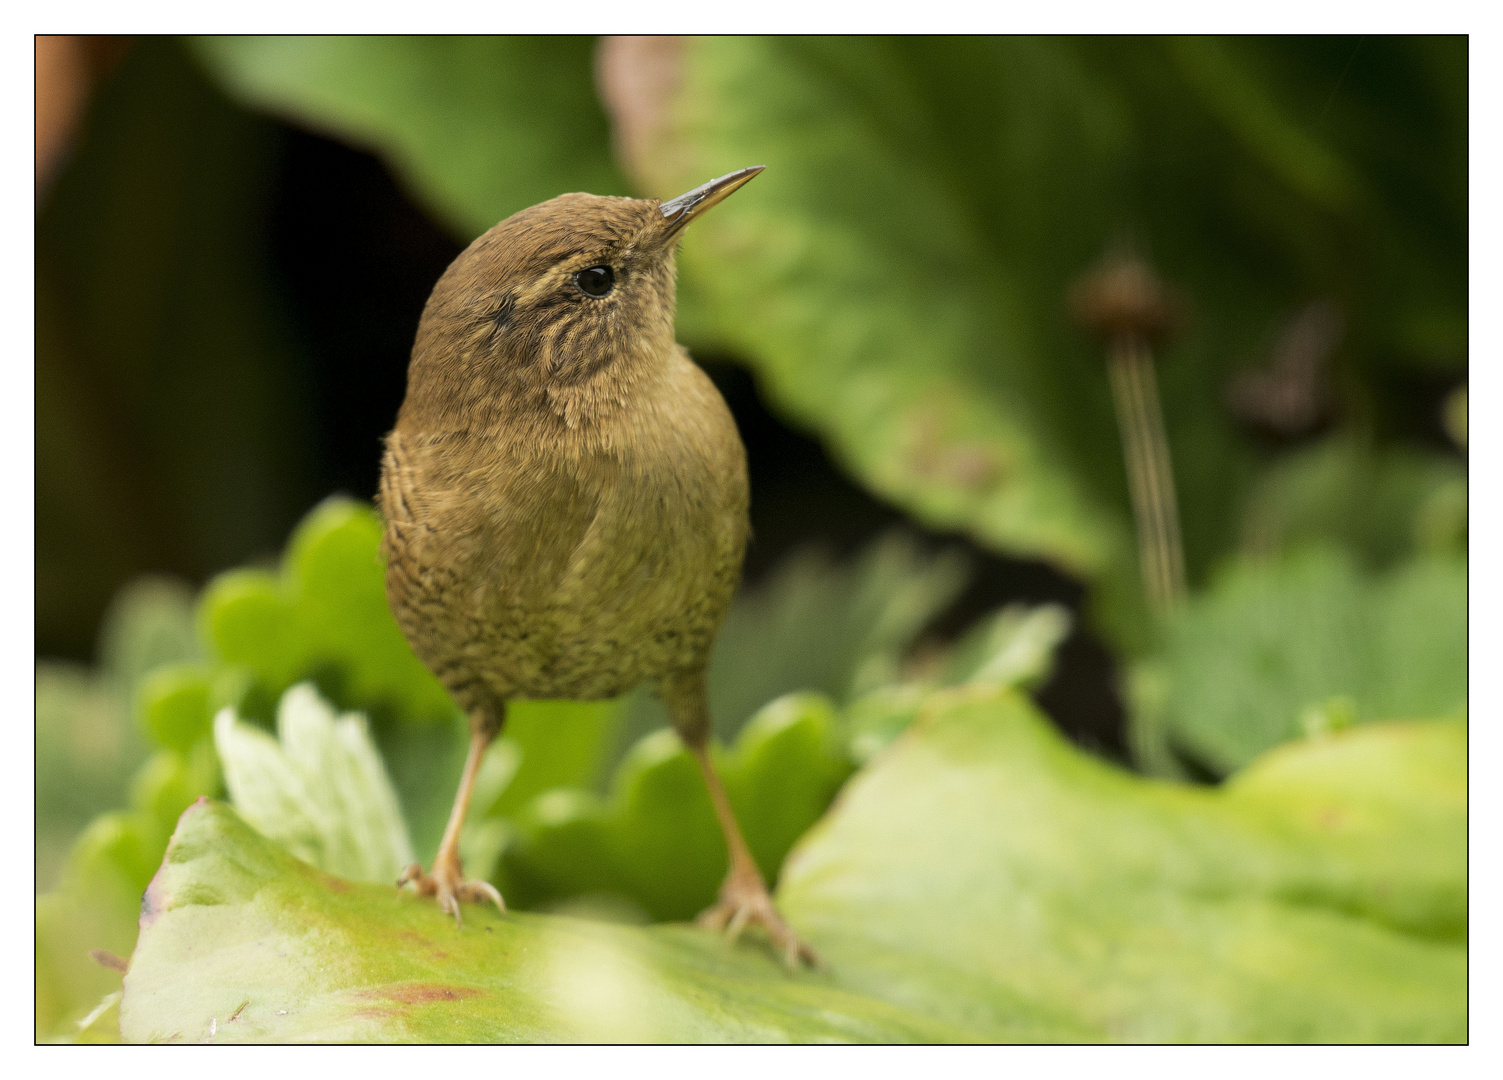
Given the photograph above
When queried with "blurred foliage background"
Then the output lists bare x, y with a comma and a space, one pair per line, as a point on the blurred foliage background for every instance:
235, 238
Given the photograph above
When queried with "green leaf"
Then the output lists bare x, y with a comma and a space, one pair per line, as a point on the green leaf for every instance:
1244, 660
898, 276
319, 789
1281, 908
174, 703
980, 881
559, 744
234, 926
655, 840
478, 127
149, 625
171, 780
786, 767
86, 750
94, 907
1014, 647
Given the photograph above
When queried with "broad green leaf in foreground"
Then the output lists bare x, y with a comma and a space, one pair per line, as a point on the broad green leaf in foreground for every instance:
986, 871
979, 880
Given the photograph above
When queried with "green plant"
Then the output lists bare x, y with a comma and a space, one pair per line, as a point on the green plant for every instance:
980, 880
898, 282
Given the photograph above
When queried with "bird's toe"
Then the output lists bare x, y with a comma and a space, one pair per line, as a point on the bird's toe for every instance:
448, 886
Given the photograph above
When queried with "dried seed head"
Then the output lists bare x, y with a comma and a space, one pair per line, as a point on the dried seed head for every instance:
1121, 297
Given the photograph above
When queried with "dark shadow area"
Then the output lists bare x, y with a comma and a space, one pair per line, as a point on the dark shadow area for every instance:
355, 262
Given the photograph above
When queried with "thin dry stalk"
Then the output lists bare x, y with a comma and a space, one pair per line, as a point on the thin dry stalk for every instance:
1125, 305
1150, 473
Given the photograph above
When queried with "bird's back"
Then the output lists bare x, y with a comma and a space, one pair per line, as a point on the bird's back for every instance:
544, 562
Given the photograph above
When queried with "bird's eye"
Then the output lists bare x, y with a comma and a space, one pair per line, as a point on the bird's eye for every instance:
595, 280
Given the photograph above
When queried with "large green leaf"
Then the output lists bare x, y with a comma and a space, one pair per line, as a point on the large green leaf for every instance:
240, 942
986, 868
480, 127
979, 880
899, 274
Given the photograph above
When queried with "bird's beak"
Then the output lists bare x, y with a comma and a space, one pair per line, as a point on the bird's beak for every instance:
691, 204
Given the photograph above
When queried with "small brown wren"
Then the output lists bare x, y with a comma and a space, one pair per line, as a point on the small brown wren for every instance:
565, 495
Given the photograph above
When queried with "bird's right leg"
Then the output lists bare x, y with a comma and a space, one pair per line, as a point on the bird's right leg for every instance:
447, 881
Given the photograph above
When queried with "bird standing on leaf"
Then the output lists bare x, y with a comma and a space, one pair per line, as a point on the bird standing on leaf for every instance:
565, 495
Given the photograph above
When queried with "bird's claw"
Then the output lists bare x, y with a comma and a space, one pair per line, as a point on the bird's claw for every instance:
448, 885
744, 902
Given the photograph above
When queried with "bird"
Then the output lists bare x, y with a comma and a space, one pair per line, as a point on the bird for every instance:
565, 498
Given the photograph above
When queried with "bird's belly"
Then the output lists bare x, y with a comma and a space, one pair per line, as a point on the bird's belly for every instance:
610, 622
575, 586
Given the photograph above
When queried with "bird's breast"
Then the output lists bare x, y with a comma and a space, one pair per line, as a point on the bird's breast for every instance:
569, 567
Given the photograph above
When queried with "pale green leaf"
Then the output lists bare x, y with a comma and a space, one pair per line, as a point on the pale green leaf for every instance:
320, 790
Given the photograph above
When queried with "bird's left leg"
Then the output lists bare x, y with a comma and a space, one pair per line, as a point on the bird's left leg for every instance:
447, 881
744, 899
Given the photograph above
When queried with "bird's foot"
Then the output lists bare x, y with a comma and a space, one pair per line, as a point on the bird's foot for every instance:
744, 902
447, 882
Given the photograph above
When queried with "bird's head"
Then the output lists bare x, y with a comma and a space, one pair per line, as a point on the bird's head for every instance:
572, 299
